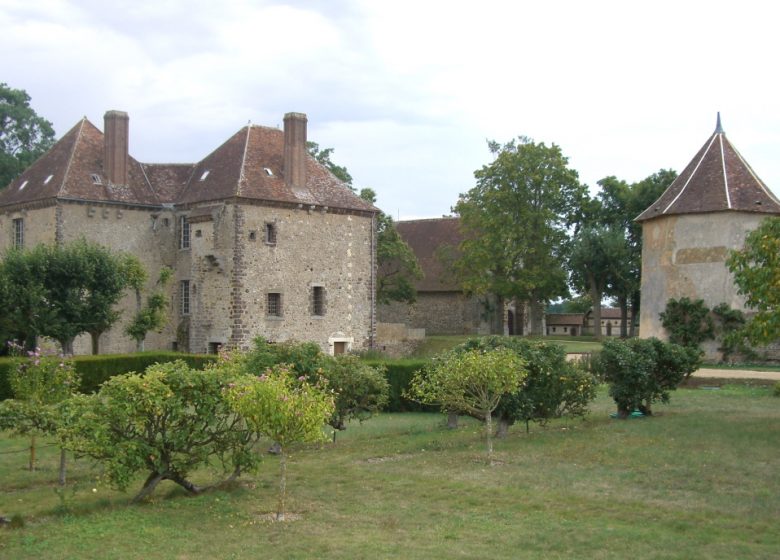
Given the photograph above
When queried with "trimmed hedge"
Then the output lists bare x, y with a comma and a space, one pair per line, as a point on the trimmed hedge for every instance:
399, 375
94, 370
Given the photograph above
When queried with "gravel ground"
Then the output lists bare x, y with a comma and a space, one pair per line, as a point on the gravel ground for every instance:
737, 374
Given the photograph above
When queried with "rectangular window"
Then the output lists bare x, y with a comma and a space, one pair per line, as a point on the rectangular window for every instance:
318, 300
274, 304
184, 232
270, 234
19, 233
185, 297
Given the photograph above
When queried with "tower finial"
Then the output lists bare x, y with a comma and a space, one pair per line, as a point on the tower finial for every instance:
718, 127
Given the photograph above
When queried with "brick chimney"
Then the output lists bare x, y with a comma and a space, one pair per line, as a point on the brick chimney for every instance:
295, 150
116, 143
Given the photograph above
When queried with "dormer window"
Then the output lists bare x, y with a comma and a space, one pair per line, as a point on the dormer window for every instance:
96, 179
21, 187
205, 174
268, 172
47, 179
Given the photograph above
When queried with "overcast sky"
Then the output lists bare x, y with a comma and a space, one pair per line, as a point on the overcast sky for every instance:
408, 92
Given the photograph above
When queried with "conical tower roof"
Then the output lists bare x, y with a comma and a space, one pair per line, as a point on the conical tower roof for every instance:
717, 179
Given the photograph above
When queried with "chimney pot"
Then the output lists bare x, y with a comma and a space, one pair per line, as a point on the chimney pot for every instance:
116, 146
295, 150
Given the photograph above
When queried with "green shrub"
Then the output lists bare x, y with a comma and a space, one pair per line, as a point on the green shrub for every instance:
399, 374
553, 387
688, 322
776, 390
643, 371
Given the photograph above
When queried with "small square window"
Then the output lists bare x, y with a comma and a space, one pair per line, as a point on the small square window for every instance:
252, 235
270, 233
19, 233
318, 300
274, 304
184, 295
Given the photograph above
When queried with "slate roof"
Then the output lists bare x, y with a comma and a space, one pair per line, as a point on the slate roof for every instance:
717, 179
425, 238
248, 165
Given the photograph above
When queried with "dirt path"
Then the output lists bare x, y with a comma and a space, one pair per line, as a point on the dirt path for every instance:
737, 374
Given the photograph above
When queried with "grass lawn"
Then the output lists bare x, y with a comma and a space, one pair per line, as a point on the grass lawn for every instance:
436, 344
699, 480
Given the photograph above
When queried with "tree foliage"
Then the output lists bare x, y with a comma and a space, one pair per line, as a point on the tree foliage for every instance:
756, 270
24, 136
286, 409
553, 386
643, 371
360, 391
166, 423
152, 316
61, 291
322, 155
688, 322
515, 222
471, 382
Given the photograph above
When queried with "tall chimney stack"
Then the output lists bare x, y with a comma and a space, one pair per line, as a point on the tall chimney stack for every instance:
295, 150
116, 144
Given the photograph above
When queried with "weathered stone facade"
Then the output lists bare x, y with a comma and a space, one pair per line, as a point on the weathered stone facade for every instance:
439, 313
312, 280
688, 233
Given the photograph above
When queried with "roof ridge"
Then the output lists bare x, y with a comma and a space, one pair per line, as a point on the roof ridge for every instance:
723, 165
61, 190
241, 176
693, 173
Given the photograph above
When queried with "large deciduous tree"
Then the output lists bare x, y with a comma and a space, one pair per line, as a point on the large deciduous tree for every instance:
515, 222
61, 291
756, 270
24, 136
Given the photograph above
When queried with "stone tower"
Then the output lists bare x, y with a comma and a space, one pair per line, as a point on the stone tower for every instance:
688, 232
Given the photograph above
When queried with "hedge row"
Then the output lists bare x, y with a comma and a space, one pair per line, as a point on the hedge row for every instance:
94, 370
399, 374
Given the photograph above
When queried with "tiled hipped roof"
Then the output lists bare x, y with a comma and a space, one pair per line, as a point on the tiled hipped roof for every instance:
718, 179
249, 165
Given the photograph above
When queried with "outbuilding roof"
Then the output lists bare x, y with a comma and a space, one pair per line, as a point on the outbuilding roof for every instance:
717, 179
431, 239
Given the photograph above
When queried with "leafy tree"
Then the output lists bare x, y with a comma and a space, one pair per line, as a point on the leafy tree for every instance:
471, 382
579, 304
322, 155
516, 222
61, 291
756, 270
167, 423
618, 206
597, 261
553, 387
152, 316
729, 325
285, 409
360, 391
398, 267
24, 136
39, 384
688, 322
643, 371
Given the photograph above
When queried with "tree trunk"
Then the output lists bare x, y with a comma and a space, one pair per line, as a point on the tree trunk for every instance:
502, 427
282, 485
149, 485
452, 421
186, 484
95, 342
536, 316
62, 477
623, 303
635, 297
595, 296
67, 347
32, 453
489, 436
139, 345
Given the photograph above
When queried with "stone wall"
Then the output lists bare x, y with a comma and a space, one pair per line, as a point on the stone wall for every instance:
438, 313
313, 248
40, 226
685, 256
